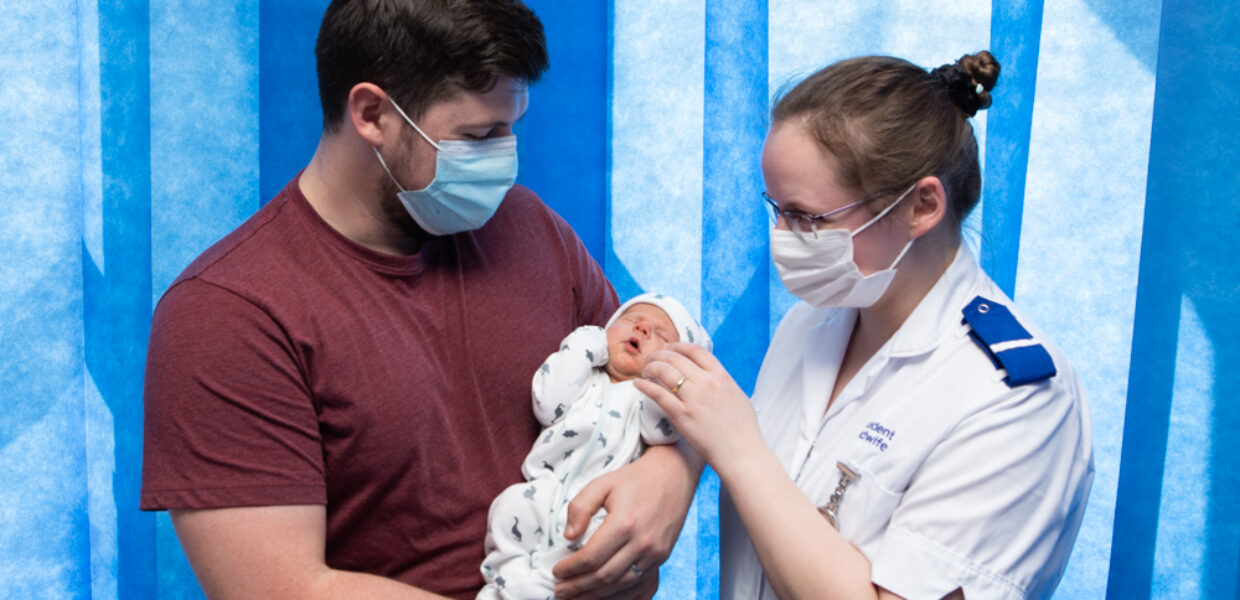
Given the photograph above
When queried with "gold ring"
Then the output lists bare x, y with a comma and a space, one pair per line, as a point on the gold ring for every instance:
676, 388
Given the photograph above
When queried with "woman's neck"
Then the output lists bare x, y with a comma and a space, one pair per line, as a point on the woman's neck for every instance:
915, 276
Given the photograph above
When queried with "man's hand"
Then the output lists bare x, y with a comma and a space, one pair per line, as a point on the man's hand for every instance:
646, 504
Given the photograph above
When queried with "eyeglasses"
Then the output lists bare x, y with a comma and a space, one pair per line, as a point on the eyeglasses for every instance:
801, 222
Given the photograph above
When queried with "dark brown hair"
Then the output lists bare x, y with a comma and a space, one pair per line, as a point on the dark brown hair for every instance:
422, 51
889, 122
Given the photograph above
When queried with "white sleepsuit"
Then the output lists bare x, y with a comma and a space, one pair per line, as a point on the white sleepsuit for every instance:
592, 427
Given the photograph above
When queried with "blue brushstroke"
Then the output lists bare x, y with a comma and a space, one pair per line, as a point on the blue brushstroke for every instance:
1150, 380
175, 577
619, 276
734, 223
118, 306
1134, 24
204, 119
40, 157
1188, 250
563, 137
290, 117
656, 171
45, 541
1015, 38
1193, 166
1179, 564
707, 502
734, 227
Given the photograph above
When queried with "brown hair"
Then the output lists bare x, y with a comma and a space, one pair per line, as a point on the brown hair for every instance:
889, 122
423, 51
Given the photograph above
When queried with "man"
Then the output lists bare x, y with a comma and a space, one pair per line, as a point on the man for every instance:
337, 390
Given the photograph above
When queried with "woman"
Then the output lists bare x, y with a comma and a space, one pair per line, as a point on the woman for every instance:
910, 435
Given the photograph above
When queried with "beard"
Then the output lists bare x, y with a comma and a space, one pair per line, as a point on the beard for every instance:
394, 212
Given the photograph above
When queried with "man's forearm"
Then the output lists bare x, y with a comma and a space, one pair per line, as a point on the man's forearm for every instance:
274, 552
692, 460
349, 585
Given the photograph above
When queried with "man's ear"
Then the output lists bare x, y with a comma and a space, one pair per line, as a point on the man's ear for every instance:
366, 106
929, 203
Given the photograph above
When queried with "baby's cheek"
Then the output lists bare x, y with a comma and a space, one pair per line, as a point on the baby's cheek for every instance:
652, 347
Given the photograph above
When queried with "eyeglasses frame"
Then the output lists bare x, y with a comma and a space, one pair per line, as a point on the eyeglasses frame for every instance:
808, 219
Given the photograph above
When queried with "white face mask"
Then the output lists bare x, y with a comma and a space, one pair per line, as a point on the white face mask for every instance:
819, 269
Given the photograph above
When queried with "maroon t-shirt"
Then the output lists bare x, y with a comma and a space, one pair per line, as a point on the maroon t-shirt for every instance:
289, 365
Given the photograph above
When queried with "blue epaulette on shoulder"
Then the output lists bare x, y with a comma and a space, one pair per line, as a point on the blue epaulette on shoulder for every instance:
1008, 344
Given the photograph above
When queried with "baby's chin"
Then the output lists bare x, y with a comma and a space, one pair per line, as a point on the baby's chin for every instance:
618, 375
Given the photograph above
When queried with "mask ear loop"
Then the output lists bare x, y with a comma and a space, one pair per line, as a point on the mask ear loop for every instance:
884, 211
415, 128
412, 124
389, 171
880, 215
902, 253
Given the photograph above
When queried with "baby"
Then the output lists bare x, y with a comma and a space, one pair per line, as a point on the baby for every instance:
595, 422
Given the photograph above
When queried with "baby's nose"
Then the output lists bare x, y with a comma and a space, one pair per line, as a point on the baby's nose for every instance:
643, 328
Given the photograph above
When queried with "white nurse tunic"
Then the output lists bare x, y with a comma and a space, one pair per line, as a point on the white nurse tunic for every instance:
964, 481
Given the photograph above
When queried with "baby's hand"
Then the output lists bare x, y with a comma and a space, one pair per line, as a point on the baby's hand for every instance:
591, 341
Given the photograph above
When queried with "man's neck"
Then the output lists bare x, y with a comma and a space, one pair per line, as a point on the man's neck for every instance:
344, 189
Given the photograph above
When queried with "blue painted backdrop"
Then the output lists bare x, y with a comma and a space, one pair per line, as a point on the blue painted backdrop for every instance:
137, 133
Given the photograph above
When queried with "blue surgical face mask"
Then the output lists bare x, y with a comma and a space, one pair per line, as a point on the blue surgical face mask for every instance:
471, 179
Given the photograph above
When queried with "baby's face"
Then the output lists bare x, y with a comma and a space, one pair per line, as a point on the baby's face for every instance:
642, 329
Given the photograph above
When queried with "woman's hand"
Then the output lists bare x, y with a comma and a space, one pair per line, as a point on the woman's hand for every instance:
709, 410
802, 556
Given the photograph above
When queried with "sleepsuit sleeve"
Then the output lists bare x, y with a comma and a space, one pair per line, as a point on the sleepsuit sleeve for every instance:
656, 428
563, 377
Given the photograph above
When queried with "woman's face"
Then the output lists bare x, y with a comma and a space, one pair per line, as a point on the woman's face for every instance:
801, 175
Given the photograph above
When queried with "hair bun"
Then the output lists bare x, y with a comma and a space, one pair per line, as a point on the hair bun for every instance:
969, 81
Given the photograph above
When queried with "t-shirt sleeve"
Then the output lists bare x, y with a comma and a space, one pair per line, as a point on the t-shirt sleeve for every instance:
594, 298
594, 295
992, 506
229, 420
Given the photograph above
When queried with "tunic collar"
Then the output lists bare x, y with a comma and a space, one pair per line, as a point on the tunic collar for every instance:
923, 331
926, 327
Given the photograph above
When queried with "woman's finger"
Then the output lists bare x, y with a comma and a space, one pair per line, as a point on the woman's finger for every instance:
700, 357
681, 363
665, 373
661, 396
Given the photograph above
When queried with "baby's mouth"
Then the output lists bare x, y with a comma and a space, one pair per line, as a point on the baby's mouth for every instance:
635, 345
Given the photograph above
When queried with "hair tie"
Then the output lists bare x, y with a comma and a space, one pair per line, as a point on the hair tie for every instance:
964, 92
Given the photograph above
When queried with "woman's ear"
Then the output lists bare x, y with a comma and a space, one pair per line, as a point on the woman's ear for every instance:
366, 106
929, 206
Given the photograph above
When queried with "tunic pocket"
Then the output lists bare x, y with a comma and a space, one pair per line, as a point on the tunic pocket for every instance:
865, 508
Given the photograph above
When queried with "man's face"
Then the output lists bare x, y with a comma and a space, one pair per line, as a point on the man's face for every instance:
642, 329
465, 116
